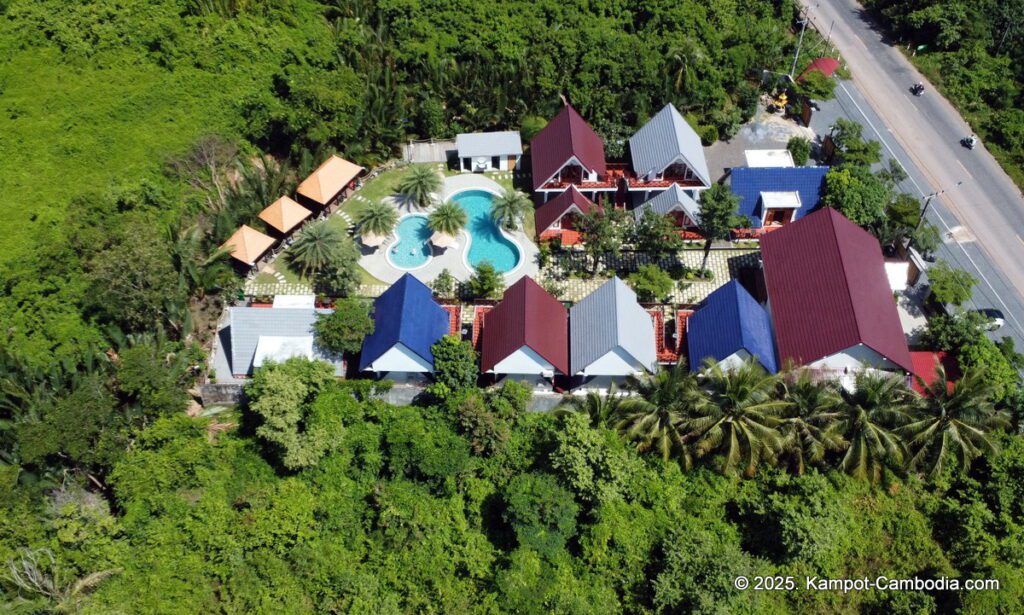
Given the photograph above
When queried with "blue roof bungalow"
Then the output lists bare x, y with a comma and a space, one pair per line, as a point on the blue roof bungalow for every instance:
407, 322
773, 196
730, 327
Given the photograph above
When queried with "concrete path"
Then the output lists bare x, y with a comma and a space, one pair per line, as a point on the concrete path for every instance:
982, 218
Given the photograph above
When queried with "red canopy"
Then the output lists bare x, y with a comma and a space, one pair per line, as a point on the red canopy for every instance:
827, 67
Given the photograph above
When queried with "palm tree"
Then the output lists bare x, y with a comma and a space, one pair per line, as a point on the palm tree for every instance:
600, 408
655, 418
448, 218
739, 417
952, 421
809, 427
377, 219
316, 248
510, 209
877, 403
419, 185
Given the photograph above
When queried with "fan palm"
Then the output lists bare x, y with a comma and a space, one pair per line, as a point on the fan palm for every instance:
419, 185
654, 419
448, 218
600, 408
316, 248
510, 209
739, 418
952, 422
377, 219
809, 428
877, 403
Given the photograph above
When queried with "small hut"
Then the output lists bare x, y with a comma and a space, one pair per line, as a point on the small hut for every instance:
247, 245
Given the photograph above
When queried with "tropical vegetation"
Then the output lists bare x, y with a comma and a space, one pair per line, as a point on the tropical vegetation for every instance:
376, 219
420, 186
510, 208
447, 218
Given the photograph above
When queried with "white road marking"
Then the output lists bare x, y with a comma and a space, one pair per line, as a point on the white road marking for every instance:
892, 153
965, 169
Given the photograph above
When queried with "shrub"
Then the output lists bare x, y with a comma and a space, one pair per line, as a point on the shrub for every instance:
800, 148
344, 329
651, 283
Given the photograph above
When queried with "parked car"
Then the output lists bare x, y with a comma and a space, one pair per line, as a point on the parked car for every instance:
995, 318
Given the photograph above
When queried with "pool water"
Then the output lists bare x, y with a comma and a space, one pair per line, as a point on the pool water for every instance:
486, 243
413, 247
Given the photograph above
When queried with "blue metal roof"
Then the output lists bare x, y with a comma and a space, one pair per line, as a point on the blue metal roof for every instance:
730, 320
405, 314
749, 182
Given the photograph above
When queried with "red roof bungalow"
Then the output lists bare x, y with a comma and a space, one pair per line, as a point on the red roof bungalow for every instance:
829, 297
568, 152
925, 362
526, 334
557, 218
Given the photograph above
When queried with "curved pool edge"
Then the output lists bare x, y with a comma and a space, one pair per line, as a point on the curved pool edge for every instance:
504, 233
394, 233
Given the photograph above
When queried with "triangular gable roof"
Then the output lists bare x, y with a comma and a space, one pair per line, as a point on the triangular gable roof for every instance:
828, 291
284, 214
607, 318
330, 178
672, 199
405, 313
566, 136
526, 316
247, 244
550, 212
247, 325
665, 138
473, 144
826, 66
749, 182
730, 320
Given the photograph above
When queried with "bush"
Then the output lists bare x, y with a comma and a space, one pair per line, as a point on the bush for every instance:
800, 149
455, 368
444, 284
950, 285
651, 283
486, 282
343, 330
541, 512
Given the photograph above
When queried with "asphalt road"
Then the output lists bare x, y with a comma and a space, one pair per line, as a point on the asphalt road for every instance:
983, 218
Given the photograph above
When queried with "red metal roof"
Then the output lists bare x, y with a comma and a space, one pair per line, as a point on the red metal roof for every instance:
548, 213
926, 361
526, 316
565, 136
827, 66
828, 290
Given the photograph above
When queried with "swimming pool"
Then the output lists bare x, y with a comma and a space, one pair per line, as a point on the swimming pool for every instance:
487, 242
412, 250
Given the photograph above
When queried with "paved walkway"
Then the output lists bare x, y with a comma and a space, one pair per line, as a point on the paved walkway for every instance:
374, 260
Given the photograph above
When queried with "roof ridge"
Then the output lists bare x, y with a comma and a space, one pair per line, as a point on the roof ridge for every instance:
832, 214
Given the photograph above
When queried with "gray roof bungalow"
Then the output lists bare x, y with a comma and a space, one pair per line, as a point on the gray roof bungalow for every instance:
675, 202
256, 335
489, 151
610, 334
668, 150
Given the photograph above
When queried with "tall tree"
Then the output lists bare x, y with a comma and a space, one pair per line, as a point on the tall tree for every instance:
511, 208
377, 219
420, 185
719, 214
950, 285
952, 423
604, 231
344, 329
809, 424
599, 408
655, 417
740, 417
657, 235
877, 403
316, 249
448, 218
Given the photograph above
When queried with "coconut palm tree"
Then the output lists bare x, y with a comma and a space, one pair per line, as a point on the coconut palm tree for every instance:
739, 418
377, 219
448, 218
419, 185
952, 423
316, 248
600, 408
809, 428
510, 209
655, 418
877, 403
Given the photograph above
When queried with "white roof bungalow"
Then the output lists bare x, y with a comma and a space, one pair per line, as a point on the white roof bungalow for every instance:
610, 336
667, 149
675, 202
257, 335
489, 151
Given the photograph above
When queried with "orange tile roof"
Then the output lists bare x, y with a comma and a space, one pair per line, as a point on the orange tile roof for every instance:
284, 214
478, 323
247, 244
324, 184
454, 319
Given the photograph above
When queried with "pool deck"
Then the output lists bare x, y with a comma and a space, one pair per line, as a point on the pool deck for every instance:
375, 261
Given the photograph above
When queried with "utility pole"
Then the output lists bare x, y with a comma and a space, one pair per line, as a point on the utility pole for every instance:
924, 210
800, 41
